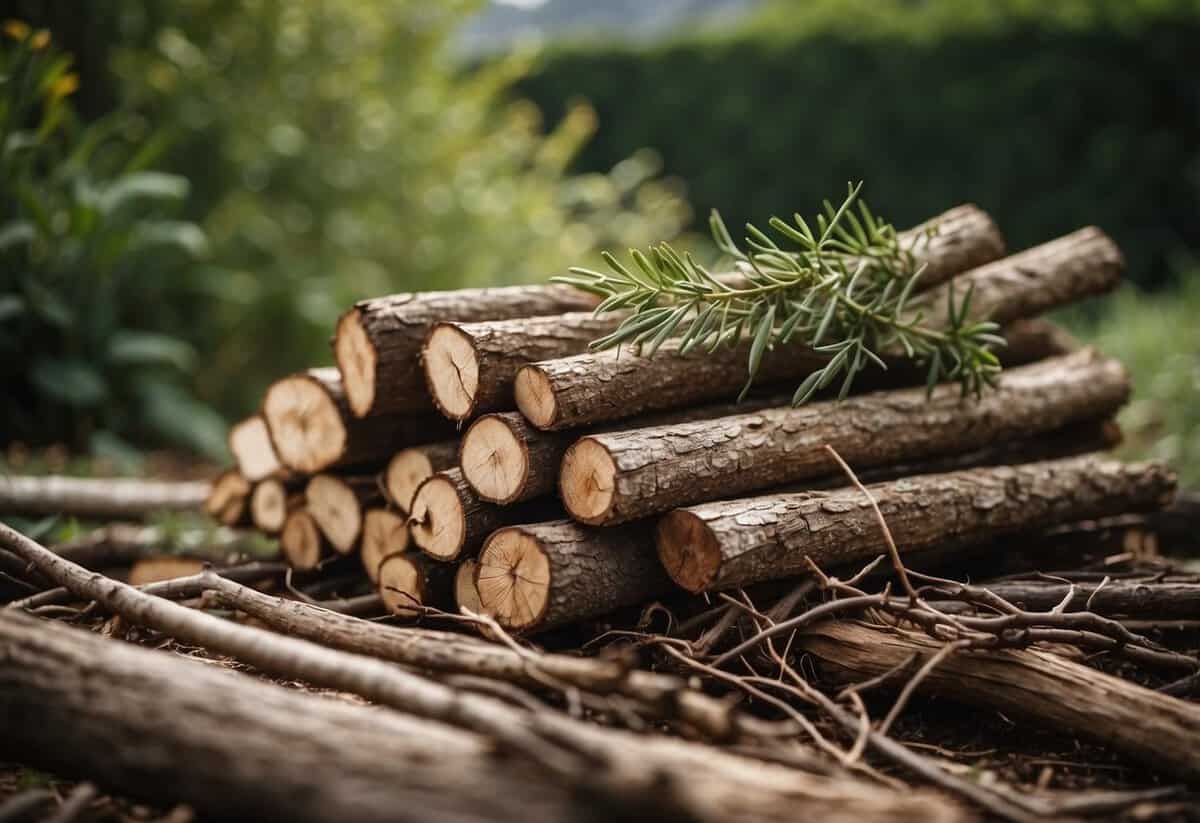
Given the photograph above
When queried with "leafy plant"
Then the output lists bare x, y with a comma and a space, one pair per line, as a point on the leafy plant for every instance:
87, 242
845, 292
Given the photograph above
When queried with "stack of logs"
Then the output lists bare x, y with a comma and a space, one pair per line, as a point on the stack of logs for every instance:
474, 453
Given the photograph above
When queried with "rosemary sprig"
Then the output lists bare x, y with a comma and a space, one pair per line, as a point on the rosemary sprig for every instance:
844, 290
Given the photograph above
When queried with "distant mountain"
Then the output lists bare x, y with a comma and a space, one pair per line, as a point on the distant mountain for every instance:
499, 26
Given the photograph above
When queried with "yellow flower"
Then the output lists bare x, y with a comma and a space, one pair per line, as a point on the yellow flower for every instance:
67, 84
16, 29
40, 40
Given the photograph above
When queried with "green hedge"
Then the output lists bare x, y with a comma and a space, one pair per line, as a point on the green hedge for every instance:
1049, 115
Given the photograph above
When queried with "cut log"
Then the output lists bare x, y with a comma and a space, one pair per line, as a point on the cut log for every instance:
336, 504
466, 594
588, 389
410, 580
228, 499
101, 498
737, 542
301, 542
270, 503
377, 343
408, 468
449, 521
1150, 728
469, 367
250, 445
312, 429
537, 576
385, 533
611, 478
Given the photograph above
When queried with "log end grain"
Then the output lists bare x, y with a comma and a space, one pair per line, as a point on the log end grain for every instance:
250, 445
466, 595
269, 506
410, 582
494, 460
513, 578
335, 507
305, 423
300, 541
356, 360
688, 550
451, 370
226, 501
587, 481
535, 397
384, 533
405, 472
438, 518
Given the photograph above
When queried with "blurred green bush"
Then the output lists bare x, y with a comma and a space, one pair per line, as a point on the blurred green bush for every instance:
335, 151
1048, 114
90, 260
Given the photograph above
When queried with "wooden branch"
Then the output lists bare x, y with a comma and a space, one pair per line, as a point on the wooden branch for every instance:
250, 445
378, 342
102, 498
1149, 727
122, 544
449, 521
708, 784
1165, 600
409, 467
312, 430
537, 576
384, 534
270, 503
737, 542
411, 580
336, 503
228, 499
612, 478
956, 240
301, 542
586, 389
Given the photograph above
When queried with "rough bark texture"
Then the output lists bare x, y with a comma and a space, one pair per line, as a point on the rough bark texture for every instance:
1150, 728
737, 542
1156, 599
1078, 265
469, 367
250, 445
409, 467
537, 576
312, 429
586, 389
229, 498
104, 498
377, 343
611, 478
962, 238
411, 580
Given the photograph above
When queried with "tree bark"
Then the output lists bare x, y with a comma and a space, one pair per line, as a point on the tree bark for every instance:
337, 503
409, 467
312, 430
541, 575
449, 521
377, 343
385, 533
102, 498
612, 478
586, 389
1148, 727
410, 581
1157, 599
229, 498
737, 542
253, 453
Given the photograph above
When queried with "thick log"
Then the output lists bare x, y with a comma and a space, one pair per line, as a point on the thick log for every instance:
102, 498
384, 534
409, 467
312, 430
1150, 728
301, 542
250, 445
270, 503
620, 476
449, 521
537, 576
377, 343
737, 542
567, 397
229, 498
336, 503
411, 581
